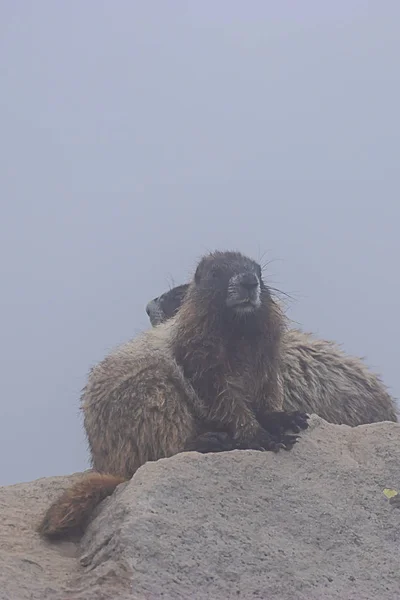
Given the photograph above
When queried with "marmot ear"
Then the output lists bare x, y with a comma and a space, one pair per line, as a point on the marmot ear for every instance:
182, 289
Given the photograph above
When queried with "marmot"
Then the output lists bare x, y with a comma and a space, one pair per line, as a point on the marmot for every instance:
318, 377
207, 379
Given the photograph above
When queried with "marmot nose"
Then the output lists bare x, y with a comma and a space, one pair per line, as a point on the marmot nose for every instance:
149, 305
249, 281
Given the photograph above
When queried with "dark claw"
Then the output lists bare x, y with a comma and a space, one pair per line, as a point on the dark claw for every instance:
289, 441
278, 422
270, 443
283, 441
286, 442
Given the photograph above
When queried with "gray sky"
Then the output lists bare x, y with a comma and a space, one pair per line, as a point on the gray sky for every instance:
135, 136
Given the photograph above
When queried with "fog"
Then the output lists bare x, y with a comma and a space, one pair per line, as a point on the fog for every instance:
136, 136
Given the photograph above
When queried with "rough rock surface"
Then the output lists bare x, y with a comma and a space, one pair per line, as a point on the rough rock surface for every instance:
312, 523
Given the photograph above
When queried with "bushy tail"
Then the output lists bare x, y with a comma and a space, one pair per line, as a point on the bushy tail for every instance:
71, 511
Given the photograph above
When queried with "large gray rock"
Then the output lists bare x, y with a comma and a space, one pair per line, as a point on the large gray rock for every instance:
308, 524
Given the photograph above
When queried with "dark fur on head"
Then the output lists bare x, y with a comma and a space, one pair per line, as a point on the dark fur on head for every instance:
229, 300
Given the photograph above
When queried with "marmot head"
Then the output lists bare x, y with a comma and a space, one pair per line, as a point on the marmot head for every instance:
164, 307
229, 283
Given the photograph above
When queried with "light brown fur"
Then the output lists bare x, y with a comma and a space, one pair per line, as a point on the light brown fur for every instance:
319, 377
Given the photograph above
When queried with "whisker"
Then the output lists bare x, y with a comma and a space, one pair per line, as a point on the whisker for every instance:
281, 293
266, 264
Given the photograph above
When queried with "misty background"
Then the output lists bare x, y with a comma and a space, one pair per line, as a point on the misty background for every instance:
136, 136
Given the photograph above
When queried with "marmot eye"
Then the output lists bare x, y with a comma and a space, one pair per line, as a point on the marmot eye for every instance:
215, 272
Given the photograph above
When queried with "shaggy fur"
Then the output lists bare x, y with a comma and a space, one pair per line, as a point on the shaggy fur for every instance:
318, 377
205, 380
71, 511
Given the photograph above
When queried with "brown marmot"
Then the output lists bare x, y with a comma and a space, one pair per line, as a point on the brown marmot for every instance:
318, 377
207, 380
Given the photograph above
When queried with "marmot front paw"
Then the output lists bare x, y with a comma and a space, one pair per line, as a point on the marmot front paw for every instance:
278, 422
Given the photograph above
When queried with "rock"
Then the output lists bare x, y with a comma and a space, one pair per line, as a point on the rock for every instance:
312, 523
29, 568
